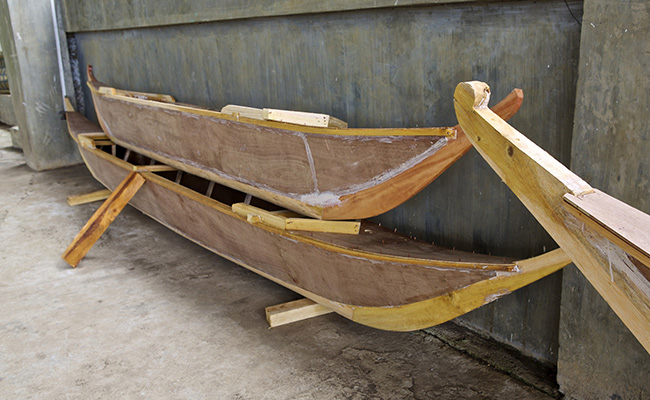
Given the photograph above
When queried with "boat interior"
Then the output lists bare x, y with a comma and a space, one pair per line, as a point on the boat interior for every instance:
372, 238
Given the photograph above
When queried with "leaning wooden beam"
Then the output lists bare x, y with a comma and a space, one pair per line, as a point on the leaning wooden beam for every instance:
294, 311
102, 218
98, 195
553, 194
280, 220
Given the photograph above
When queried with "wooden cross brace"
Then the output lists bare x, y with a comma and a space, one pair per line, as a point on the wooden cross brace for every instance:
102, 218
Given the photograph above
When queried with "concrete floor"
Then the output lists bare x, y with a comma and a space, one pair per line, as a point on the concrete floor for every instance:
150, 315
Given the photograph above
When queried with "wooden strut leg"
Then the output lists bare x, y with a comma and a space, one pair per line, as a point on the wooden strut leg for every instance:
102, 218
294, 311
78, 199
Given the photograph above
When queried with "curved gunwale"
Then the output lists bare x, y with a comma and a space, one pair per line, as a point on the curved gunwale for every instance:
405, 317
95, 86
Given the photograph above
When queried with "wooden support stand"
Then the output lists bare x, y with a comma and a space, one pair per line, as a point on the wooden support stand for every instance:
294, 311
78, 199
102, 218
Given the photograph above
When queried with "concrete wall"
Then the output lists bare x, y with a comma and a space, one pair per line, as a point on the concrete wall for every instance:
27, 37
7, 114
599, 358
376, 67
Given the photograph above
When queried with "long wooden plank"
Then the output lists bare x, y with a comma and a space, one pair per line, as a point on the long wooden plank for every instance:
622, 224
280, 221
102, 218
85, 198
541, 183
294, 311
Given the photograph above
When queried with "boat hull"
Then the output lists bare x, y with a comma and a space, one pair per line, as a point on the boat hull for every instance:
324, 173
410, 285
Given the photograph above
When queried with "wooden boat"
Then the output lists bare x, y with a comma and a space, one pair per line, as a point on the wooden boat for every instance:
330, 173
608, 240
375, 277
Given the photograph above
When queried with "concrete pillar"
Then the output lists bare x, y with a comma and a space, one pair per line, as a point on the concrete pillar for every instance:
28, 40
598, 357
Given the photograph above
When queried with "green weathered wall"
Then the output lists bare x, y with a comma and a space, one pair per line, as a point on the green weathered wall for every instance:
381, 67
599, 358
82, 15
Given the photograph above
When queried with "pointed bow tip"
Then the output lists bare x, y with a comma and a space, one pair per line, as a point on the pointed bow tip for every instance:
91, 75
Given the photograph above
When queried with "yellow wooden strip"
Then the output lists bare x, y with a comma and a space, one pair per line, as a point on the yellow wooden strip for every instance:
107, 90
145, 96
279, 220
316, 225
243, 111
297, 117
88, 140
67, 105
155, 168
294, 311
98, 195
102, 218
257, 215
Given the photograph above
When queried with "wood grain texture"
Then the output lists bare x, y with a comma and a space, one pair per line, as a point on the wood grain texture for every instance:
541, 183
380, 290
102, 218
622, 224
321, 175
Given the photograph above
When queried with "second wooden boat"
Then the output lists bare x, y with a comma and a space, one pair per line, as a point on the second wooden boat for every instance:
330, 173
370, 275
